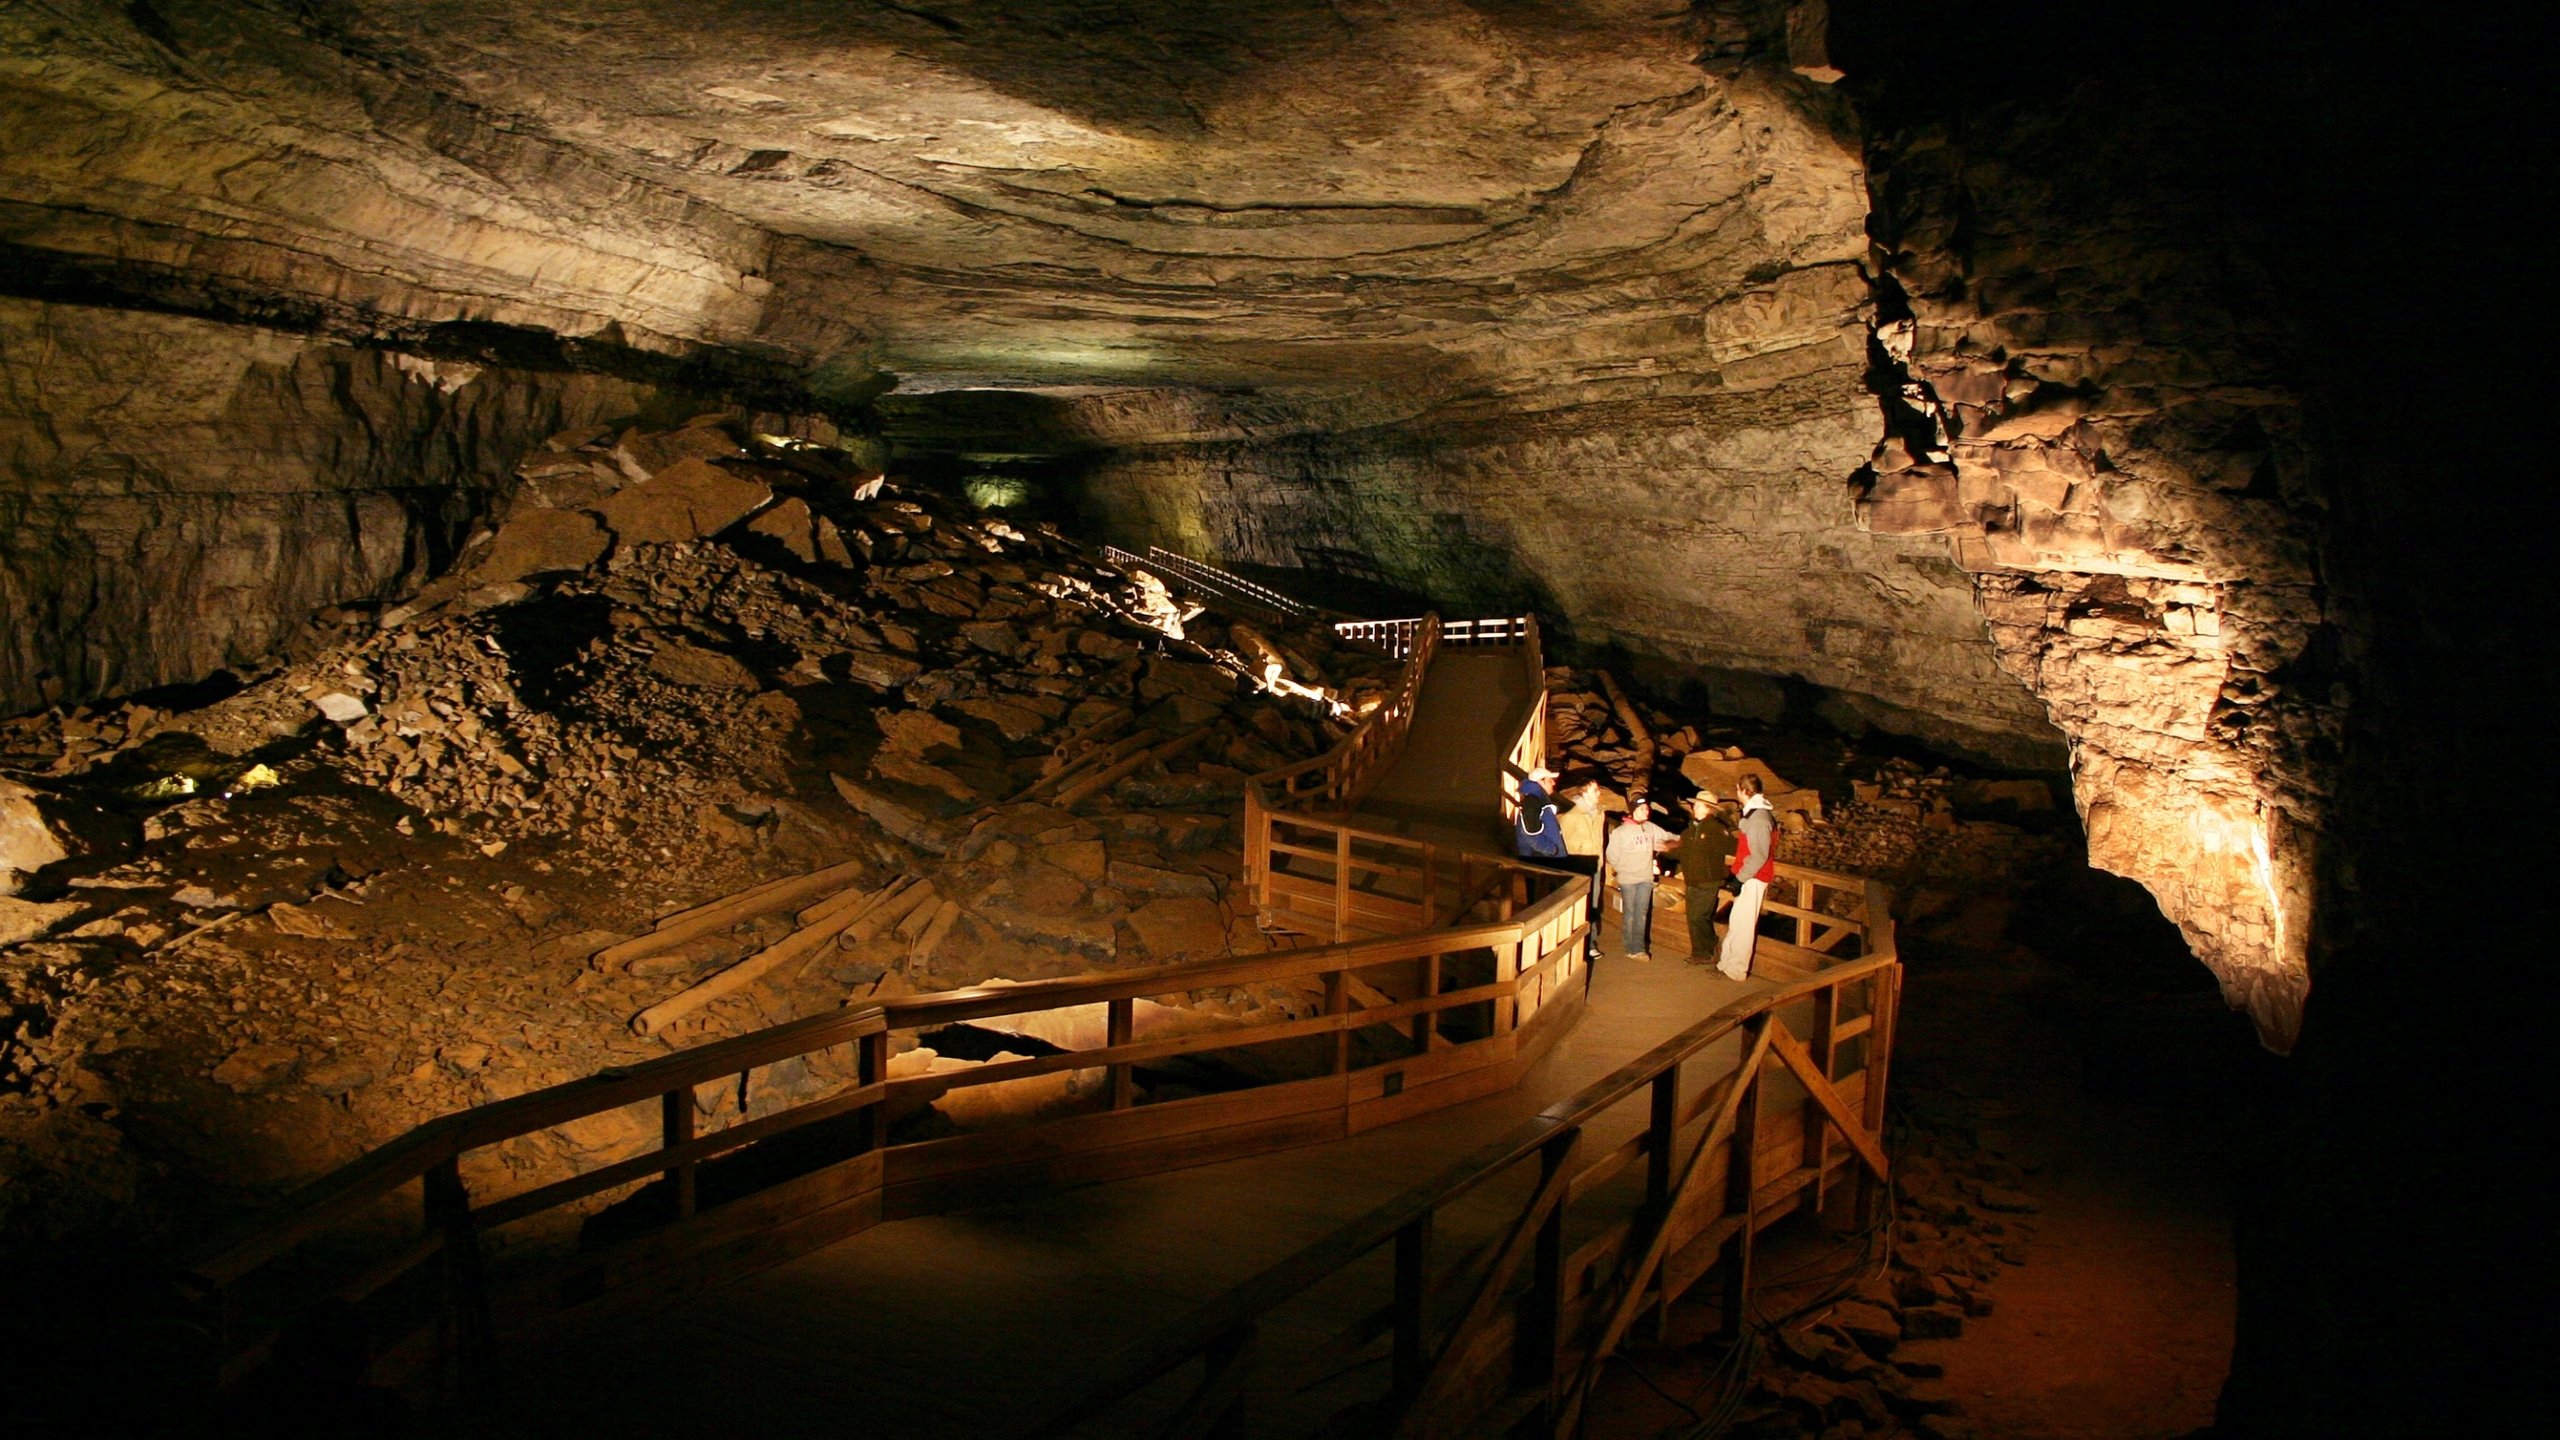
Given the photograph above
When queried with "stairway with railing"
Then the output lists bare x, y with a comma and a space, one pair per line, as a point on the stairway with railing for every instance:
1435, 969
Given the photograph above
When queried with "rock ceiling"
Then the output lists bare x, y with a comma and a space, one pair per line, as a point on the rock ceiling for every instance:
1565, 304
1057, 192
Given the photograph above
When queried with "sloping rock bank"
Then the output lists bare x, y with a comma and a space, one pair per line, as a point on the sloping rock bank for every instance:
451, 852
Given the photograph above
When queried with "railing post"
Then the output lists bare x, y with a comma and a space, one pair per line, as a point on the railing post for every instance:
1542, 1322
1881, 1012
871, 1066
1430, 887
1413, 1276
1742, 1177
1119, 1024
1663, 1125
1426, 1024
1337, 1001
466, 1339
675, 1128
1342, 884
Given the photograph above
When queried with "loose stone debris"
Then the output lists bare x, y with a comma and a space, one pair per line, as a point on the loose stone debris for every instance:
701, 732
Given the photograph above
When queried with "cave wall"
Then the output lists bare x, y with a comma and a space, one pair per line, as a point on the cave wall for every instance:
176, 494
2101, 418
1705, 535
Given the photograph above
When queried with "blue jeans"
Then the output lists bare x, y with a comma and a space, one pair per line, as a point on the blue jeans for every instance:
1638, 923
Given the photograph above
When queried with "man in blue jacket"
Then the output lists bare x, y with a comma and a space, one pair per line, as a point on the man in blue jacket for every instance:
1537, 835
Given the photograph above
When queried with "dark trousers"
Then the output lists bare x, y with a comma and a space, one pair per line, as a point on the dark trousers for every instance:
1586, 865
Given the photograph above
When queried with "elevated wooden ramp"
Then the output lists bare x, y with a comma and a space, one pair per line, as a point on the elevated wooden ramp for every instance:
980, 1322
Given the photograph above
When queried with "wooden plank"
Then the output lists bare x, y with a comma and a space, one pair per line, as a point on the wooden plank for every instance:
728, 911
797, 946
1818, 1088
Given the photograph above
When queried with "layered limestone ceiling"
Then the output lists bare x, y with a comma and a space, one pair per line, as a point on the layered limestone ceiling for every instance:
1515, 302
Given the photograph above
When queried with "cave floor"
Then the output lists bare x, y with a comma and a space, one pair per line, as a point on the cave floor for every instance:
2119, 1324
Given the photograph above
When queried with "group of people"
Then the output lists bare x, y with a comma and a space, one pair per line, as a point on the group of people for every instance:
1727, 852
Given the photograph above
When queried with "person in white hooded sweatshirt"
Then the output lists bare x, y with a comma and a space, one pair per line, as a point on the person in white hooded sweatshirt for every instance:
1755, 861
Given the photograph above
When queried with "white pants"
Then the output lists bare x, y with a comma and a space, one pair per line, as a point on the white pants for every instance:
1743, 931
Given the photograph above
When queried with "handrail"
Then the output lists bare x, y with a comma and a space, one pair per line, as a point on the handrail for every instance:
1340, 776
1520, 925
1615, 1265
1534, 951
1225, 584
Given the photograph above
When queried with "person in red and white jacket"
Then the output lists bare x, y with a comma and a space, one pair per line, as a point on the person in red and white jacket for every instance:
1755, 861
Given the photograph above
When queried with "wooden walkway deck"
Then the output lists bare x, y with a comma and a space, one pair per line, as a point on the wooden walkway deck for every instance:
1624, 1136
901, 1329
905, 1329
1444, 784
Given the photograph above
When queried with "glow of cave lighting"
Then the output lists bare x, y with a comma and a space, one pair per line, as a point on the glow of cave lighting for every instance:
2219, 833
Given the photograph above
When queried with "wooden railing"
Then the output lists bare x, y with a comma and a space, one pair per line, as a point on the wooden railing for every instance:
1624, 1197
1449, 975
1312, 871
1396, 637
1231, 590
1387, 1028
1338, 778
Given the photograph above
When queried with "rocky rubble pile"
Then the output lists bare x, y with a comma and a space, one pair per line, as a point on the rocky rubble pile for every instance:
1889, 817
1961, 1217
381, 881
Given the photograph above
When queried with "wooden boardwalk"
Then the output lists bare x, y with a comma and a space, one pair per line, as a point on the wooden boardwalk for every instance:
977, 1323
973, 1324
1443, 784
1502, 1164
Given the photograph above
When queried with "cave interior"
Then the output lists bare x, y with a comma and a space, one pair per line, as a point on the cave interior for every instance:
2117, 394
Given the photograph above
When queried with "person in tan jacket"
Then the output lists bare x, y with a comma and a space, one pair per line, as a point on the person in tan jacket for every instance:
1585, 827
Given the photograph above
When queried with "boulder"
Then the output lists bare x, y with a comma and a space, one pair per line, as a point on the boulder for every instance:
1181, 928
688, 500
253, 1069
698, 669
1717, 771
541, 542
645, 455
901, 822
1151, 880
789, 523
23, 920
339, 706
27, 843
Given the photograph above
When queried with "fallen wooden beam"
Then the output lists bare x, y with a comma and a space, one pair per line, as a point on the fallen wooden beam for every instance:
946, 915
1647, 751
798, 945
1095, 784
719, 915
894, 912
1086, 763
